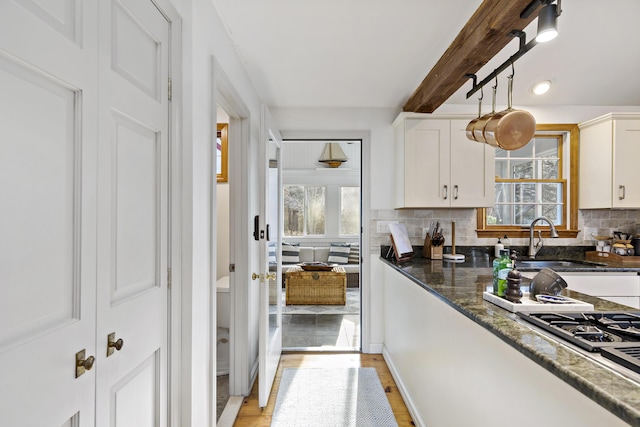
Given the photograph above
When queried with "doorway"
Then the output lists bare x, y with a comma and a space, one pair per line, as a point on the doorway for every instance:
223, 238
323, 216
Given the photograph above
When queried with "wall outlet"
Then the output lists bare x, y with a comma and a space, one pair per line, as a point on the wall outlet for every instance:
383, 226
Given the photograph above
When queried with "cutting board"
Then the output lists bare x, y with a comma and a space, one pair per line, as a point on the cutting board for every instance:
529, 305
613, 259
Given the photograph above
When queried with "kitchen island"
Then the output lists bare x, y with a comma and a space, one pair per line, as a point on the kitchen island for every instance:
460, 360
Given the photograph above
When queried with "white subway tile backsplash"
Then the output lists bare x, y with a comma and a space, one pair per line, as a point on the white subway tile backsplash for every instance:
590, 222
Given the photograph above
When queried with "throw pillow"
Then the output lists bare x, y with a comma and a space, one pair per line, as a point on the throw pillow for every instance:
339, 253
290, 253
354, 254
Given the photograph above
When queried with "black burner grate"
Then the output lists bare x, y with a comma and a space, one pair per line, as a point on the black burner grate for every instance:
629, 357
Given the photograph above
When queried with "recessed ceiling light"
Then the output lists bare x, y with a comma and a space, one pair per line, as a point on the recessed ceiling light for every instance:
541, 87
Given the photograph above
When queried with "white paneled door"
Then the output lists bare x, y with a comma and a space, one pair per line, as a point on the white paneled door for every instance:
84, 116
131, 384
47, 220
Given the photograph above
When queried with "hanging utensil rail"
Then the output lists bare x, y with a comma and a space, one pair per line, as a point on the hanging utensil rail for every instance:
524, 48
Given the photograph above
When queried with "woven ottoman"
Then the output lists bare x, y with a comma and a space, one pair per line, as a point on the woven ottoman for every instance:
316, 287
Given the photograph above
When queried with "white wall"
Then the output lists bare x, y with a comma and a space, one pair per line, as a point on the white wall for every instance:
376, 120
204, 37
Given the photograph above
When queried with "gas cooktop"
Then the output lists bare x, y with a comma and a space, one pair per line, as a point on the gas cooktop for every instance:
615, 335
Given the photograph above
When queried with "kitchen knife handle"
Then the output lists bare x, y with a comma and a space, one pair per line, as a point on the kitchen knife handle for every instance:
446, 192
455, 189
621, 192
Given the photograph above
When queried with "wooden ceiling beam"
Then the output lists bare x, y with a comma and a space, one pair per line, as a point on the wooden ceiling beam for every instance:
483, 36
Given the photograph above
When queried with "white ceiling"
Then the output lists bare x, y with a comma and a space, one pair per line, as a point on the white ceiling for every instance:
375, 53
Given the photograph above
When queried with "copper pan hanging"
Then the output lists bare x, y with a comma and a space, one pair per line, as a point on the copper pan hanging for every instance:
472, 123
510, 129
478, 128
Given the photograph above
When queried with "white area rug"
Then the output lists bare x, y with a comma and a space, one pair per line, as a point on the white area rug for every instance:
345, 397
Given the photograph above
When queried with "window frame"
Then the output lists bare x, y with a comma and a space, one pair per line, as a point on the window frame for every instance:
569, 229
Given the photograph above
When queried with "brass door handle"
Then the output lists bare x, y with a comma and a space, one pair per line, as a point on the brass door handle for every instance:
113, 344
83, 364
271, 276
255, 276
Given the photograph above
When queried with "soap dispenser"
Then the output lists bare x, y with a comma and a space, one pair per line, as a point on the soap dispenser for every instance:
498, 248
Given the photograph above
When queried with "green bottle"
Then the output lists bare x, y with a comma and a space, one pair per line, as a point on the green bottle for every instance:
504, 265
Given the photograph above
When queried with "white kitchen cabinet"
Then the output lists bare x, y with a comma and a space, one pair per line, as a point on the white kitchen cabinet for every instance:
622, 288
438, 167
609, 151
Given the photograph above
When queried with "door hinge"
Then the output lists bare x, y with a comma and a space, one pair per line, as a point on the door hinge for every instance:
169, 277
170, 90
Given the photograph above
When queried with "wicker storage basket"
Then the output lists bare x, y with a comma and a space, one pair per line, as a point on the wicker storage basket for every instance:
316, 287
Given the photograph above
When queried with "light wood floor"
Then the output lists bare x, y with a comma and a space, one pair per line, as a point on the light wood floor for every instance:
251, 415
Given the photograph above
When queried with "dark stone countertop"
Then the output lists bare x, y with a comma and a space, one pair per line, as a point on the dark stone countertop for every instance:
460, 285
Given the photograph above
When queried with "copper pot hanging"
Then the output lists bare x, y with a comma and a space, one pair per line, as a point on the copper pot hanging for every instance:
478, 128
472, 123
510, 129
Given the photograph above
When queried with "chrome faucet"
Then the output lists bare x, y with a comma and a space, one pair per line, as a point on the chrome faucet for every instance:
535, 248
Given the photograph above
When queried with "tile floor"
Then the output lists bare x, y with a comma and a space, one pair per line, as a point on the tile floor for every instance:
321, 330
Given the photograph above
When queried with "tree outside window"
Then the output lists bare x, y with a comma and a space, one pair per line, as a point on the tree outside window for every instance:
349, 211
304, 210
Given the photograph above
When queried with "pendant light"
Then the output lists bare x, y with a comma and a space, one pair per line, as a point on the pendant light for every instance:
333, 155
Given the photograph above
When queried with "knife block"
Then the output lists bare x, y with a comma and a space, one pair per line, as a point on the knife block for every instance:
430, 251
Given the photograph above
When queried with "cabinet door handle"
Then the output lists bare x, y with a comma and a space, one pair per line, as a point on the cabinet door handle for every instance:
446, 192
621, 192
455, 190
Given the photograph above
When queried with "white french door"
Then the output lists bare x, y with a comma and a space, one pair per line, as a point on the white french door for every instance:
47, 221
84, 144
270, 340
132, 297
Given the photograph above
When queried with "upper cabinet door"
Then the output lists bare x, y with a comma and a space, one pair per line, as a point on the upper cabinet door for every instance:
609, 149
472, 170
626, 152
426, 163
437, 167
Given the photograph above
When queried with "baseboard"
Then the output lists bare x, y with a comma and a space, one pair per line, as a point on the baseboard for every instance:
373, 348
230, 412
417, 420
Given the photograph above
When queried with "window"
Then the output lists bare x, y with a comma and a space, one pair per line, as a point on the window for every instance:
349, 211
533, 181
529, 183
304, 210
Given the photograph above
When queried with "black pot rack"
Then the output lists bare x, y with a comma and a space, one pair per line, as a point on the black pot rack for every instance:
524, 47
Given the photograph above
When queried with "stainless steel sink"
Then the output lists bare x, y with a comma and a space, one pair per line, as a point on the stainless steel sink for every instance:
550, 263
